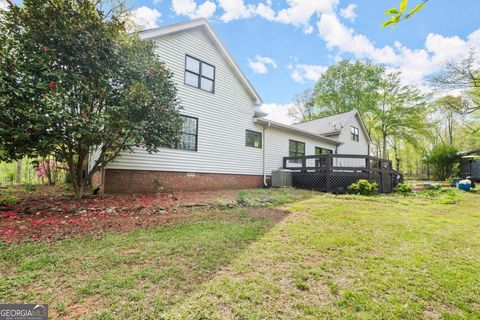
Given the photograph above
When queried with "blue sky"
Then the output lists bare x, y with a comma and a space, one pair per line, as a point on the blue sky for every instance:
284, 46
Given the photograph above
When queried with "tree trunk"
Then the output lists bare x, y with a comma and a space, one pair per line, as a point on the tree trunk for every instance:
49, 172
19, 172
78, 191
77, 183
384, 147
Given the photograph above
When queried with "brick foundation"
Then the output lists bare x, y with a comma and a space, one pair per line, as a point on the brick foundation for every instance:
130, 181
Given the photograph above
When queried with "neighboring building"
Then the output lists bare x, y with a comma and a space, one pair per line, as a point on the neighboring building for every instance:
225, 143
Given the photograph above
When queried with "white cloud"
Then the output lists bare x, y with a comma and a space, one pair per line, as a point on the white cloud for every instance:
234, 10
206, 9
277, 112
300, 12
192, 10
414, 64
265, 11
349, 12
259, 64
302, 72
145, 17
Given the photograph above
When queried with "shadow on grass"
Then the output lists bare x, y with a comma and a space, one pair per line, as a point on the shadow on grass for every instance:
138, 275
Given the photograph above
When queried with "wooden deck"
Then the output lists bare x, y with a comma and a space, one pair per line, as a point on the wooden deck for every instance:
335, 172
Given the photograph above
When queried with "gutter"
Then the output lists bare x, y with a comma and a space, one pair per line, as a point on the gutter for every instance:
285, 127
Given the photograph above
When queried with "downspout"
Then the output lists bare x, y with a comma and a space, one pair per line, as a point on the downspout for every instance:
265, 184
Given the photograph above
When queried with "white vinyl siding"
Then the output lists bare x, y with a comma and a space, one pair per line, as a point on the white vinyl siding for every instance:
349, 146
223, 116
277, 146
93, 157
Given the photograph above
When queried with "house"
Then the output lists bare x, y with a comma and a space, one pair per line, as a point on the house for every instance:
225, 142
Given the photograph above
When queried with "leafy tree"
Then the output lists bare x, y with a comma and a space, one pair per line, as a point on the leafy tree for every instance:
463, 75
443, 159
72, 80
401, 112
347, 86
397, 15
303, 108
448, 107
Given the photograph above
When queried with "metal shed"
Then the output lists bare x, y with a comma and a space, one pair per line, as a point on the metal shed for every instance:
470, 165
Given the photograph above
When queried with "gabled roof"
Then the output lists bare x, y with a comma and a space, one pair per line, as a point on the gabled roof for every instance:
327, 125
278, 125
203, 24
332, 125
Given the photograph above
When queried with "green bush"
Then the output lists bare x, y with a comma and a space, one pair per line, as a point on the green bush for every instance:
443, 196
443, 160
243, 199
404, 189
8, 200
30, 187
363, 188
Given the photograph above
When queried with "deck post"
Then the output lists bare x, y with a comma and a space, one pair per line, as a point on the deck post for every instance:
328, 176
367, 165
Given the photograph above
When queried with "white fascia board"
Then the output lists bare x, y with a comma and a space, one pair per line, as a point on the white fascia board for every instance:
284, 127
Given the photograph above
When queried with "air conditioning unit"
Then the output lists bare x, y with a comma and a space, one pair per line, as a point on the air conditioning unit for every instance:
281, 178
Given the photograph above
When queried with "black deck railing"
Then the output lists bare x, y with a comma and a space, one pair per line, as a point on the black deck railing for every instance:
335, 172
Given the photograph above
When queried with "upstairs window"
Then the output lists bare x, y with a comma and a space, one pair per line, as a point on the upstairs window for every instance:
253, 139
296, 148
199, 74
354, 133
189, 134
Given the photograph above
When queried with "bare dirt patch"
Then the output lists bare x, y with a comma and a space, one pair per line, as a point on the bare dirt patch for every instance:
48, 214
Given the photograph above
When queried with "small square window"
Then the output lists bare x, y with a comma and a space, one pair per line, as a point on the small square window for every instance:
199, 74
253, 139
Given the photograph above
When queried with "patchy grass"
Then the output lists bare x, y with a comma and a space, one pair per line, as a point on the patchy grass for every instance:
353, 257
140, 274
331, 257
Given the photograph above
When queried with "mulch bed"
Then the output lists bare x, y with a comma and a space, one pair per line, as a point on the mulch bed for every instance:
47, 215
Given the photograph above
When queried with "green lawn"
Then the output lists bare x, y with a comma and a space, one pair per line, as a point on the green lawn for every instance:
331, 257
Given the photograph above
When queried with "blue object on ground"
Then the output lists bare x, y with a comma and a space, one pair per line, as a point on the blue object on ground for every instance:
465, 185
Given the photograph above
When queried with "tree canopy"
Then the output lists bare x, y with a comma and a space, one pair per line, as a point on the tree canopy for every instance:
347, 86
83, 82
392, 111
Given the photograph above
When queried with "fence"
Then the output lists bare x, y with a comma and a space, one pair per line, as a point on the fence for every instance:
335, 172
